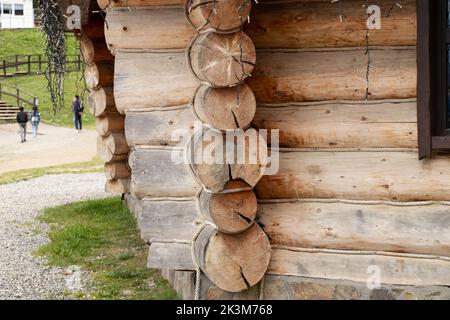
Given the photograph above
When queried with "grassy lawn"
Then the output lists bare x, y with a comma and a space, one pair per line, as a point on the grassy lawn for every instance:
101, 237
95, 165
32, 41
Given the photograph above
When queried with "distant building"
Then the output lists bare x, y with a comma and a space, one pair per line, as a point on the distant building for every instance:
16, 14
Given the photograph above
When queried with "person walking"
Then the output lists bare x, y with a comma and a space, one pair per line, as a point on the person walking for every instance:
22, 119
77, 109
35, 118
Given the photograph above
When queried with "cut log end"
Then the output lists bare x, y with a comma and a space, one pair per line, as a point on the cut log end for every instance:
220, 15
222, 60
233, 262
226, 108
101, 100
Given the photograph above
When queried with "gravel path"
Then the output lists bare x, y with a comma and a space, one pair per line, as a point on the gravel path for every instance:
23, 276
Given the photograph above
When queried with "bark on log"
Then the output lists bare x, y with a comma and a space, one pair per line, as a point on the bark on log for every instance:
159, 127
233, 262
99, 74
222, 60
233, 211
119, 186
220, 15
360, 175
226, 108
216, 159
419, 228
117, 170
156, 174
101, 101
108, 123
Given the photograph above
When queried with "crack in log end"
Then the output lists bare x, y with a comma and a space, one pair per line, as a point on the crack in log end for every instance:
244, 278
247, 220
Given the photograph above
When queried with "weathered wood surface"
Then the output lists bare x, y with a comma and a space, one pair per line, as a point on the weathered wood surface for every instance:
159, 127
220, 16
282, 77
418, 228
226, 108
99, 74
363, 175
112, 148
94, 50
274, 25
233, 211
354, 267
169, 219
377, 124
233, 262
222, 60
104, 4
183, 282
156, 175
146, 80
119, 186
175, 256
117, 170
101, 101
108, 123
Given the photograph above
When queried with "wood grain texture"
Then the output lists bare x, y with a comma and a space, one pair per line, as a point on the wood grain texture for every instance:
108, 123
118, 186
156, 175
378, 124
99, 74
117, 170
283, 77
175, 256
159, 127
415, 228
396, 176
101, 101
169, 220
353, 267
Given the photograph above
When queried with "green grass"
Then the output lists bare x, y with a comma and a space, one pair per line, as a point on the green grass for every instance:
31, 41
95, 165
101, 237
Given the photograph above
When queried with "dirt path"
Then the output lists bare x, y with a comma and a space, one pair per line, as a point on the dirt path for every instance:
53, 146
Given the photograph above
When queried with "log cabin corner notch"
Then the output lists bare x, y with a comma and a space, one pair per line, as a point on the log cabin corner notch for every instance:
350, 192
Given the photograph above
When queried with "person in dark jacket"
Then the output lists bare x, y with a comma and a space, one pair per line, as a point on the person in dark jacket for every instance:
77, 109
22, 119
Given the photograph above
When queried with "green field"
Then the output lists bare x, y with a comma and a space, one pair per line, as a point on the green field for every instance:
32, 41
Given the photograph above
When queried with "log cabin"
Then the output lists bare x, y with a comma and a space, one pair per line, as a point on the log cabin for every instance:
359, 207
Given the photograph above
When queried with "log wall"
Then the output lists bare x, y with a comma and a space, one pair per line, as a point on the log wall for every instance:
350, 192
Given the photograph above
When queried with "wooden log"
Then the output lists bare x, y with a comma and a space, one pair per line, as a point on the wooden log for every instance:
112, 148
419, 228
148, 80
175, 256
233, 211
226, 108
177, 219
99, 74
136, 30
119, 186
159, 127
183, 282
156, 174
301, 288
221, 15
222, 60
108, 123
216, 159
283, 77
277, 25
377, 124
272, 25
117, 170
101, 101
95, 28
415, 271
94, 50
233, 262
363, 175
280, 77
105, 4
